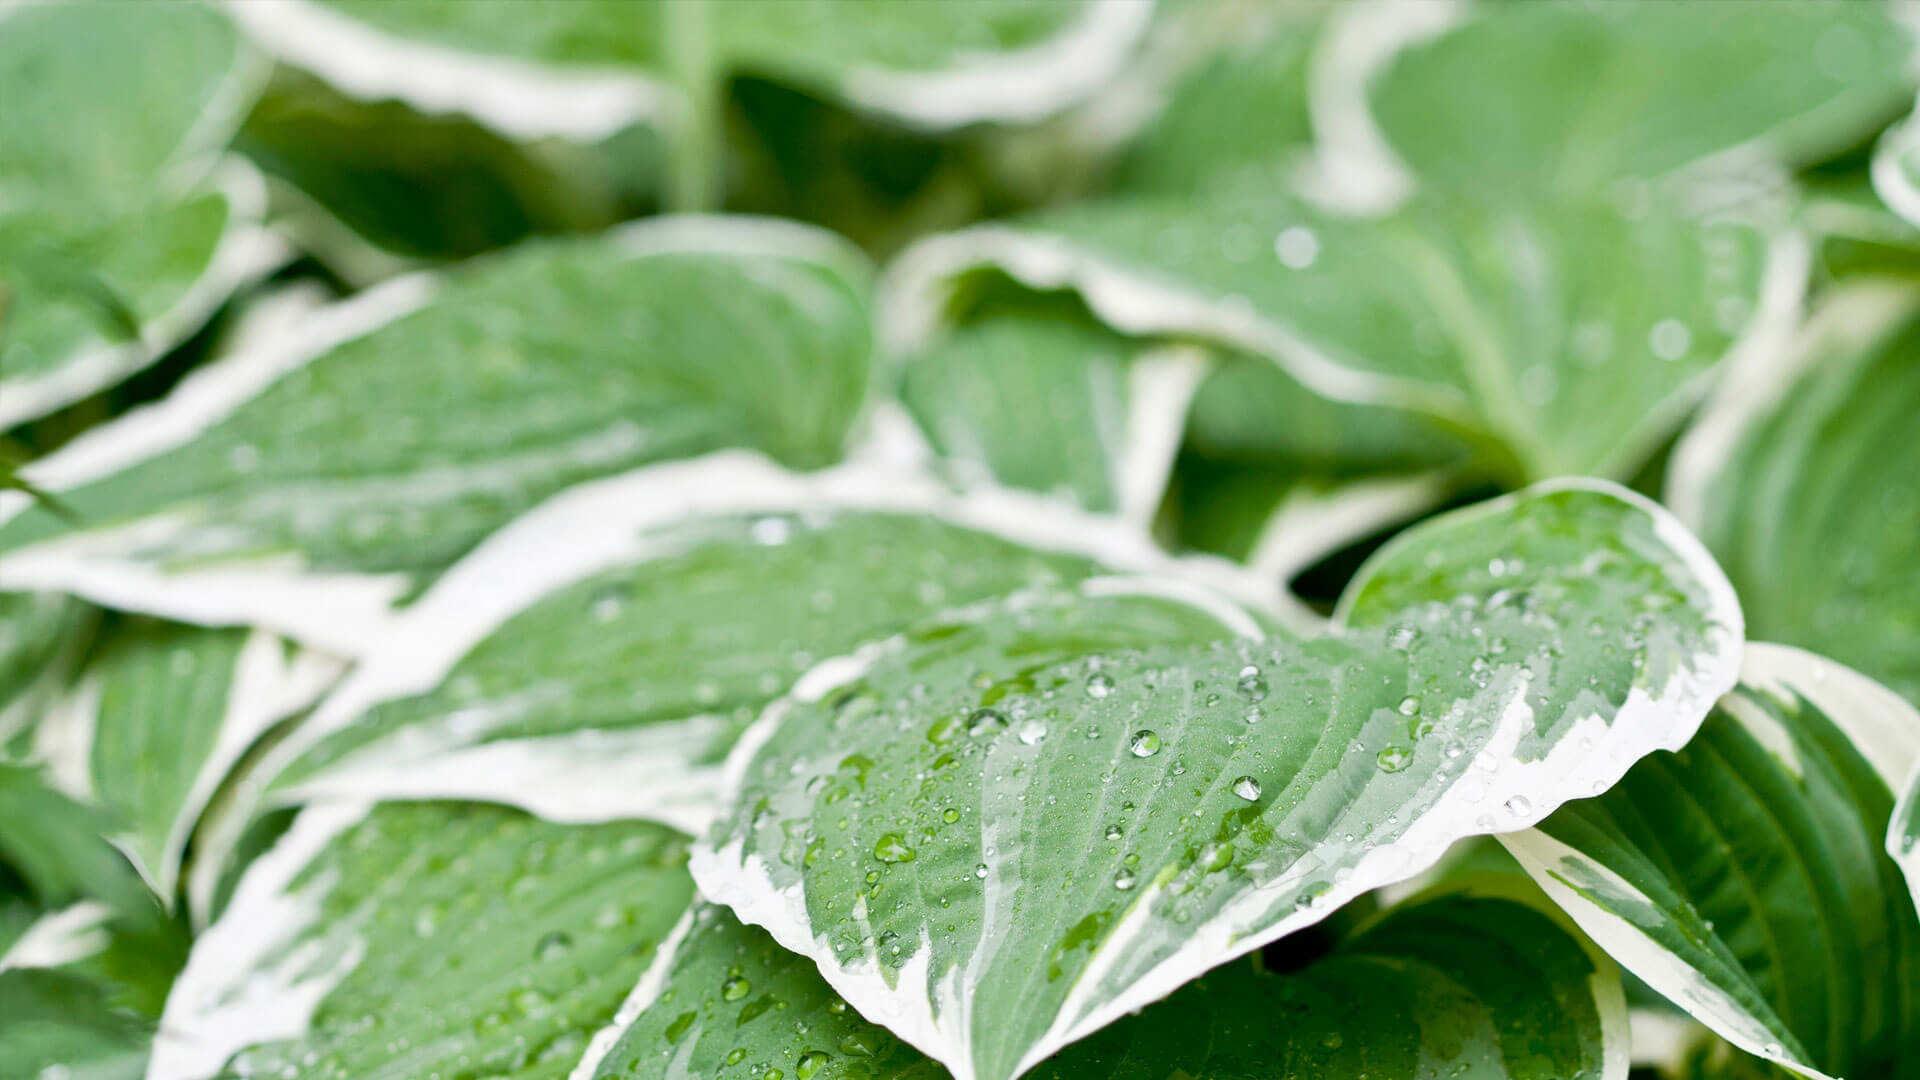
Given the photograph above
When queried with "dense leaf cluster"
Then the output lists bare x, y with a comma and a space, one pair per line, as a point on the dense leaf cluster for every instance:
809, 539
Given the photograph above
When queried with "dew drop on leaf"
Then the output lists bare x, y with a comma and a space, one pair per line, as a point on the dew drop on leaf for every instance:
891, 849
1099, 685
1144, 744
1247, 788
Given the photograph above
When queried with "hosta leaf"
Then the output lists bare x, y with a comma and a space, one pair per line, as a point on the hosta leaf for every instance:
116, 243
592, 67
1458, 983
376, 187
1055, 405
61, 1025
419, 938
445, 407
1006, 828
1557, 337
1574, 96
1903, 835
41, 635
1205, 130
159, 715
1744, 876
668, 607
1804, 479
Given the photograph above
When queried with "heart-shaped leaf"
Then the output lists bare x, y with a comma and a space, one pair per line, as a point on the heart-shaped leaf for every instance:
468, 936
1744, 878
1563, 95
1457, 983
159, 714
1008, 827
1803, 477
1554, 337
447, 406
118, 236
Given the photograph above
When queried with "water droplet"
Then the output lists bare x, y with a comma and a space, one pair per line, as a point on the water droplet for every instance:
1393, 758
1252, 684
735, 988
1409, 705
737, 1055
891, 849
985, 722
810, 1062
1124, 880
1518, 806
1114, 832
1099, 685
980, 871
771, 531
1670, 339
950, 815
1145, 743
1032, 732
553, 946
1297, 247
1247, 788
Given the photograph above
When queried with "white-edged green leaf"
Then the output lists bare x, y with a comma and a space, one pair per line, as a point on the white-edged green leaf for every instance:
1554, 337
633, 627
119, 236
446, 406
410, 939
1057, 405
1903, 835
1896, 170
375, 188
1459, 983
1803, 477
590, 68
159, 715
1744, 876
1576, 96
1007, 827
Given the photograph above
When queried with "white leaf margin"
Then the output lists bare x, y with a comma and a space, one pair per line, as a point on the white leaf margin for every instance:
1590, 757
244, 983
246, 252
1883, 727
915, 291
346, 614
265, 686
1848, 319
530, 99
590, 776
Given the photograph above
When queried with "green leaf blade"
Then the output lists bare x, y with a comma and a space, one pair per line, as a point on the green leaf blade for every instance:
1186, 789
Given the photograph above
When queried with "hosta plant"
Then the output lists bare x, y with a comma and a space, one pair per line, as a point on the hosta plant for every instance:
807, 539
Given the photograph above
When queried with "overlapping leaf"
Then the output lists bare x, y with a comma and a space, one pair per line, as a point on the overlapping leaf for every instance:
410, 939
594, 66
118, 237
1804, 479
1062, 406
159, 715
668, 606
1006, 828
1577, 96
1460, 983
1555, 337
311, 483
1745, 877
